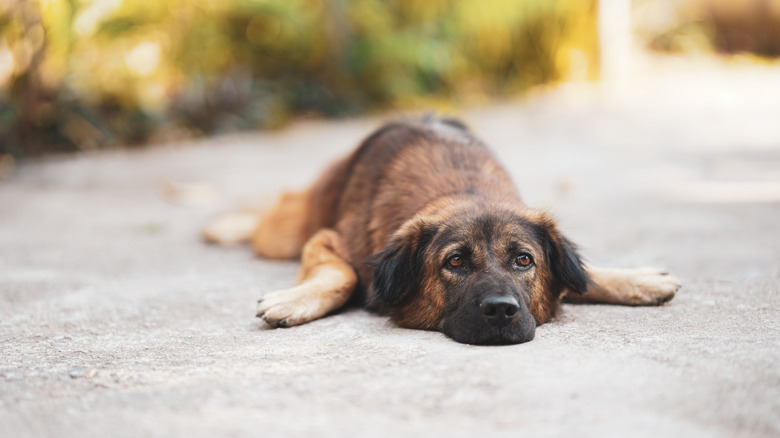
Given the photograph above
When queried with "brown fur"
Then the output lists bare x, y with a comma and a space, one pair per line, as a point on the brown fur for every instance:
381, 224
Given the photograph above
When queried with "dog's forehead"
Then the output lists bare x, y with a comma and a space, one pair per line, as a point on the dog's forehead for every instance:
487, 230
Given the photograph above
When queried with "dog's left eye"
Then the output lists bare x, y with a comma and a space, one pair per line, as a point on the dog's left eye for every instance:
455, 261
524, 260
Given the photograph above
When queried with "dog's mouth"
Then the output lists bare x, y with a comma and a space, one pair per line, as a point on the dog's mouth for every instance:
491, 319
477, 333
503, 339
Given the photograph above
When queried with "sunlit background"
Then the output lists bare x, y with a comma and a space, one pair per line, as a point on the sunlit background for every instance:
650, 129
90, 74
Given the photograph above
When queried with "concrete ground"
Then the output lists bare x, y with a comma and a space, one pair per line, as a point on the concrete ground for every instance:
116, 320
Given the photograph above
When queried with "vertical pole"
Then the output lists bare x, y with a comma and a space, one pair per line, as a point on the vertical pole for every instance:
614, 27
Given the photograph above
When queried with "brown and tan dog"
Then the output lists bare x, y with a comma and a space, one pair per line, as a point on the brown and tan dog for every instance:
423, 224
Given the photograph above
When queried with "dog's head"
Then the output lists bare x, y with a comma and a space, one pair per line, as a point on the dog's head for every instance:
484, 275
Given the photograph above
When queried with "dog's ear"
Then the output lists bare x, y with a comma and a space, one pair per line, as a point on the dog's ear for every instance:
561, 253
400, 266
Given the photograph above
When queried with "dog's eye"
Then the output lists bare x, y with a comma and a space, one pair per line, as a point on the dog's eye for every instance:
455, 261
524, 260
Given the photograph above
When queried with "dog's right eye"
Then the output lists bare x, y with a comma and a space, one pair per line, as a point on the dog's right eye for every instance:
523, 260
455, 261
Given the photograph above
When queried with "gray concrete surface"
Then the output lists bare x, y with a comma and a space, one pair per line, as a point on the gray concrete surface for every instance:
115, 320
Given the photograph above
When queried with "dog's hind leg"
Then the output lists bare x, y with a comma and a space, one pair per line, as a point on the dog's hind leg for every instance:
325, 283
231, 228
278, 233
631, 287
283, 229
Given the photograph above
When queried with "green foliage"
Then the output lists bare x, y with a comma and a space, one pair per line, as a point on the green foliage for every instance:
79, 74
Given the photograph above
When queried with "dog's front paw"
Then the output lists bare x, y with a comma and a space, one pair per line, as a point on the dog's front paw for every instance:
647, 287
288, 307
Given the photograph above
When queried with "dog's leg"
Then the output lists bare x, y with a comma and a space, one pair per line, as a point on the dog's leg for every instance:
325, 283
631, 287
283, 229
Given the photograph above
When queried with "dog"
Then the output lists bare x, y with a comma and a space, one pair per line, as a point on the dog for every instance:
423, 224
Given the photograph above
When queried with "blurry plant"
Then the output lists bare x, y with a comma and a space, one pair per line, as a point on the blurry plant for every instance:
83, 74
725, 26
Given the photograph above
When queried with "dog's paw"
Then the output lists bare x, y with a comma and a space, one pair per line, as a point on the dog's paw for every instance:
288, 307
646, 287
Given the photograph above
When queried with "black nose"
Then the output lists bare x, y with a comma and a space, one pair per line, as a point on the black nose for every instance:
499, 310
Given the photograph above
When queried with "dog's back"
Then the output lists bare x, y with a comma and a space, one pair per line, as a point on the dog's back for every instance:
396, 173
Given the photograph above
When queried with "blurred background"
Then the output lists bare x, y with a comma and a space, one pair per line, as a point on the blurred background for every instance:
649, 128
90, 74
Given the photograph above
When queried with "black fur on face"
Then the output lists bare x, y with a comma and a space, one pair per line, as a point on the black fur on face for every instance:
566, 264
400, 265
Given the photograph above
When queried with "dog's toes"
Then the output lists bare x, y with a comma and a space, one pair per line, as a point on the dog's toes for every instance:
658, 289
273, 315
271, 319
271, 311
278, 323
273, 323
646, 287
287, 308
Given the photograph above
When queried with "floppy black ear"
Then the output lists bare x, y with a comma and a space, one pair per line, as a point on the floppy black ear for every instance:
566, 265
400, 265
